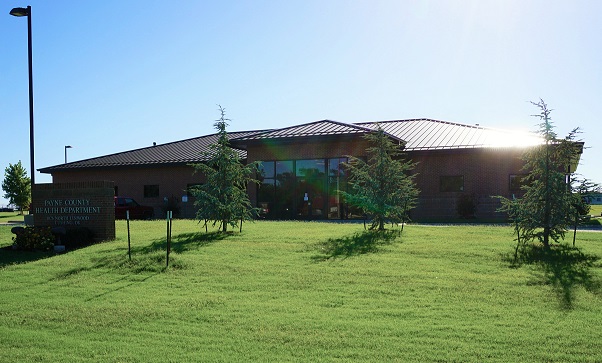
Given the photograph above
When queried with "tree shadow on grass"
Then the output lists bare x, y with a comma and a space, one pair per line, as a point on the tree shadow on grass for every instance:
150, 253
357, 244
563, 267
8, 256
153, 257
188, 241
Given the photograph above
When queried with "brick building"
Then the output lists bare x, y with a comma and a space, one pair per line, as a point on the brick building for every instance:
302, 168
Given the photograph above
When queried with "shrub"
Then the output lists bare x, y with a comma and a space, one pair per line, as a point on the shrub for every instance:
466, 206
34, 239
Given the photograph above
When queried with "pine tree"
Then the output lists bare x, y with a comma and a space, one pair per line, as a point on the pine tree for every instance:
548, 206
223, 197
583, 189
17, 186
382, 186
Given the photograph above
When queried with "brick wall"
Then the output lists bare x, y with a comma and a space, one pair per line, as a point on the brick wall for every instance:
130, 181
486, 173
308, 149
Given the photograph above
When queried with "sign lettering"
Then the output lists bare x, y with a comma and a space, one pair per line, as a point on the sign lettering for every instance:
61, 212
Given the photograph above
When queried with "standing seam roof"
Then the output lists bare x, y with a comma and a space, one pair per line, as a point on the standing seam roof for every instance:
418, 134
317, 128
179, 152
428, 134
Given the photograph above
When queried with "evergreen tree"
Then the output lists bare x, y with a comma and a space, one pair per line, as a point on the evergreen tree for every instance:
381, 186
17, 186
583, 189
223, 197
548, 206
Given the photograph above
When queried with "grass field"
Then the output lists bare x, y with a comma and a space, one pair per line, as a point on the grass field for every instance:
10, 216
306, 292
596, 210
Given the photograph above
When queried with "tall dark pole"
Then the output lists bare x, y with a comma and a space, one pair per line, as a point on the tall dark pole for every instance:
27, 12
29, 59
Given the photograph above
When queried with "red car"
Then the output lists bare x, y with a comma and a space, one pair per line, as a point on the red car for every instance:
137, 211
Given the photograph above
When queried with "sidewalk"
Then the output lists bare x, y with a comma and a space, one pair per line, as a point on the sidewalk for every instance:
11, 223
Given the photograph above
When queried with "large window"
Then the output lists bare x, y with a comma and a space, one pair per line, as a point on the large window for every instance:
453, 183
337, 181
311, 187
266, 190
306, 189
275, 193
311, 168
284, 188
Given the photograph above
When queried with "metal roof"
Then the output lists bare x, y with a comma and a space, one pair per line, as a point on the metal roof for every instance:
428, 134
317, 128
178, 152
418, 134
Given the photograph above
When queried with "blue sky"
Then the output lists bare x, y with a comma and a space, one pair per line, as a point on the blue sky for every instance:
111, 76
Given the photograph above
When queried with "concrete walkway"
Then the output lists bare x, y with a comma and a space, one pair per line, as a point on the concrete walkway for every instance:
11, 223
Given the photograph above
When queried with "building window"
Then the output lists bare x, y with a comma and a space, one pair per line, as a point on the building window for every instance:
151, 191
517, 181
266, 169
311, 168
307, 189
266, 189
284, 189
311, 188
451, 183
275, 193
337, 182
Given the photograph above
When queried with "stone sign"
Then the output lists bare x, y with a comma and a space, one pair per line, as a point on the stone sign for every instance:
74, 205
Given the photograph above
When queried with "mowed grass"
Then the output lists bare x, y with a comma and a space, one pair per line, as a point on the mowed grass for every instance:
11, 216
596, 210
305, 292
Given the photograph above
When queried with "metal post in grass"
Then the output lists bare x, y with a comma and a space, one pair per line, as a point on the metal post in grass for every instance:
168, 219
167, 236
127, 218
575, 228
517, 229
404, 216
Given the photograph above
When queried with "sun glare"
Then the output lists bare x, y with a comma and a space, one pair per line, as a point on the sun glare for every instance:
515, 139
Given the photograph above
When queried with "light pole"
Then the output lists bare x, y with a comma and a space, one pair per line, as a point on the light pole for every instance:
27, 12
67, 147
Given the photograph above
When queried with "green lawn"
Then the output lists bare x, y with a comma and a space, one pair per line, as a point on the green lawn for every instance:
304, 292
10, 216
596, 210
